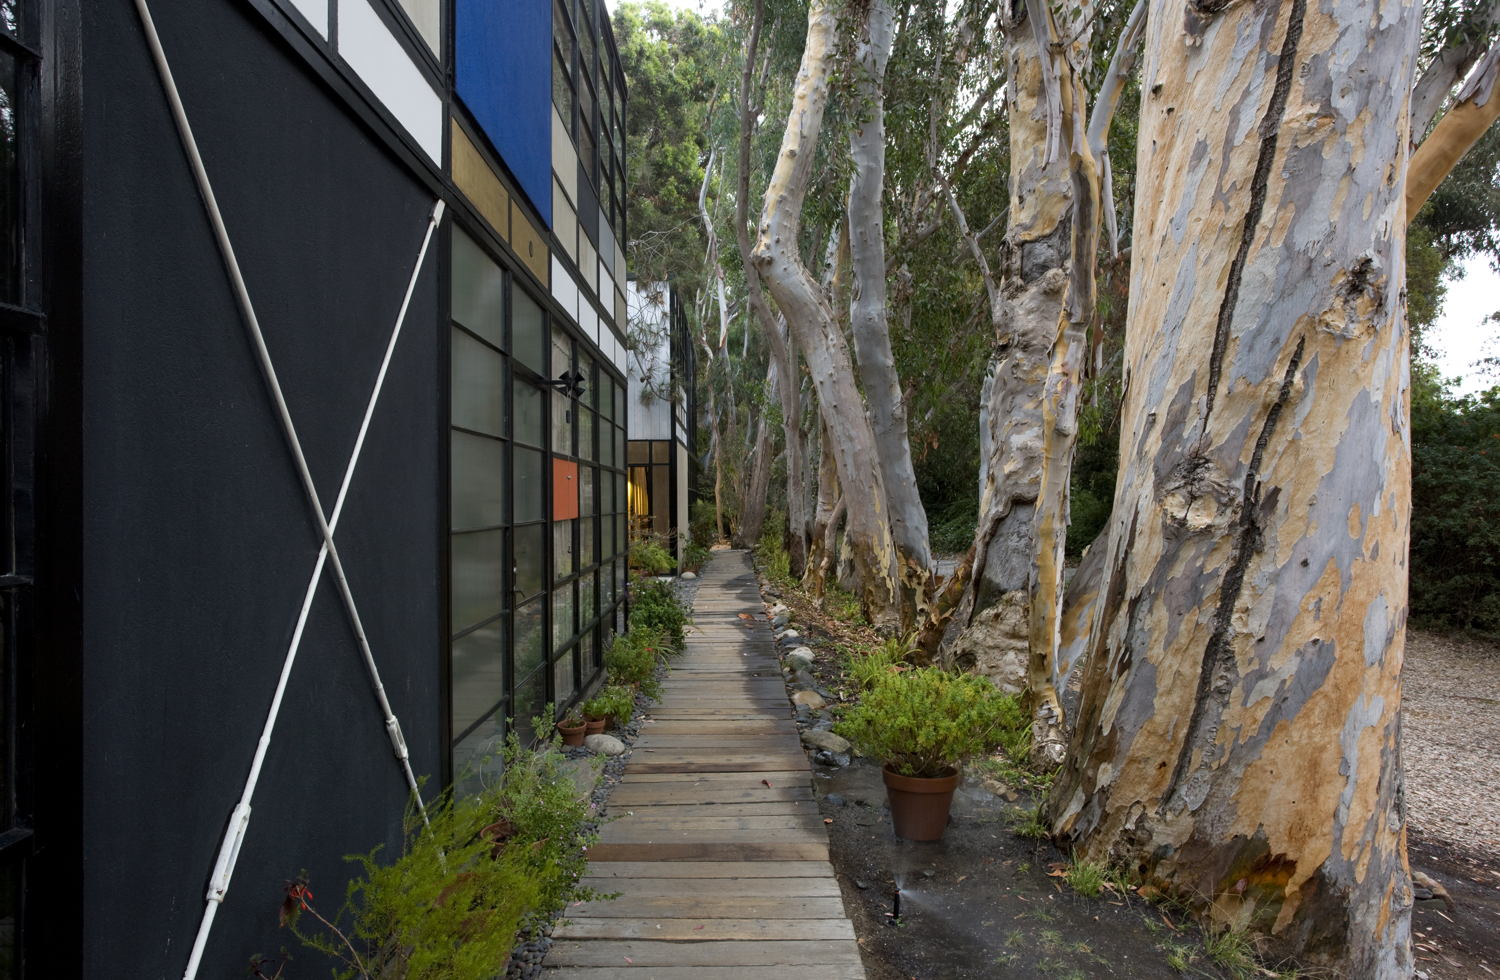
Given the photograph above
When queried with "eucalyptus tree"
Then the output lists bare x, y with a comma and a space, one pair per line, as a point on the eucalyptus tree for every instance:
1238, 740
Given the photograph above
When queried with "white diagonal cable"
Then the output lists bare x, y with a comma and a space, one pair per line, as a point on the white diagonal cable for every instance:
240, 817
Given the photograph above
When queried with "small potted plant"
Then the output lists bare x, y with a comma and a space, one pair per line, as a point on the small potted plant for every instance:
572, 728
923, 723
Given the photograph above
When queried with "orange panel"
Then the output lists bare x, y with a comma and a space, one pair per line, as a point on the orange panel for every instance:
564, 490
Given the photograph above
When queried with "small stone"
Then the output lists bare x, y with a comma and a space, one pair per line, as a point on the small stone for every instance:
834, 760
805, 699
826, 741
801, 658
928, 873
808, 682
861, 885
833, 799
604, 745
790, 638
689, 576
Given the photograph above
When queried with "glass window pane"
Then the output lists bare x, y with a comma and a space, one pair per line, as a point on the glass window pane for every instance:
476, 576
562, 90
620, 536
531, 636
531, 560
606, 399
560, 31
478, 674
586, 542
477, 482
478, 386
563, 627
619, 447
620, 401
528, 327
608, 591
661, 500
640, 451
592, 376
426, 17
528, 492
562, 423
12, 268
585, 433
607, 537
476, 759
591, 656
528, 408
564, 680
478, 290
562, 353
531, 701
587, 494
562, 549
588, 606
659, 451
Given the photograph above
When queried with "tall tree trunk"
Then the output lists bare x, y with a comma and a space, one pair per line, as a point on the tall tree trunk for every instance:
826, 516
782, 355
868, 318
758, 479
816, 330
1028, 412
1238, 743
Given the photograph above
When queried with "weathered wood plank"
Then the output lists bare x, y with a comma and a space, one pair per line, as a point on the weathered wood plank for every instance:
710, 852
632, 888
627, 795
656, 953
709, 869
816, 971
699, 930
701, 906
787, 777
716, 809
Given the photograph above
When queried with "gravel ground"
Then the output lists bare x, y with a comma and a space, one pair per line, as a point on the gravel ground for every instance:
1451, 734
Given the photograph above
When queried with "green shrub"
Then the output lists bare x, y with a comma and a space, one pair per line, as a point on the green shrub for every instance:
451, 906
1455, 528
867, 667
952, 531
633, 658
771, 554
614, 702
650, 557
1087, 515
924, 721
701, 524
654, 607
694, 556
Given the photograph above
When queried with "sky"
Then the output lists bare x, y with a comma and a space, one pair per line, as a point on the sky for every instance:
1461, 336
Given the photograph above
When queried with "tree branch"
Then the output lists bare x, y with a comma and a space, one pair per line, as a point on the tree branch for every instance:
1477, 106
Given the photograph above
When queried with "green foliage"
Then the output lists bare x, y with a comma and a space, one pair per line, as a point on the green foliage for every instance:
1087, 878
868, 667
650, 557
450, 907
694, 556
952, 531
614, 701
1029, 824
771, 554
1455, 531
926, 720
701, 524
656, 610
1234, 951
633, 658
844, 606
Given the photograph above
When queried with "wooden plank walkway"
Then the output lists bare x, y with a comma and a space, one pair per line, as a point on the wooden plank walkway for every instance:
716, 850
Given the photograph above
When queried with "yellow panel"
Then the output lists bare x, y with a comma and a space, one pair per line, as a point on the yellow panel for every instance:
479, 184
588, 263
529, 244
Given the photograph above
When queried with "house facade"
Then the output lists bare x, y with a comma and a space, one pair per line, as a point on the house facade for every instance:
662, 449
315, 429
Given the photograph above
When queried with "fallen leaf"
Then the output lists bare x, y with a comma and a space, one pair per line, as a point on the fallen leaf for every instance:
629, 960
697, 927
828, 820
746, 616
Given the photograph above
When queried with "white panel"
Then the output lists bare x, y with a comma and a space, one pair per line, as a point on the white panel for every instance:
316, 12
606, 287
372, 51
564, 289
589, 321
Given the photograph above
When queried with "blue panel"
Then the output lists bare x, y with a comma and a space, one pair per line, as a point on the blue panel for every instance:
504, 53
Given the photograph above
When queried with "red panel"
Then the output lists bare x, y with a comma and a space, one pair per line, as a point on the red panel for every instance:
564, 490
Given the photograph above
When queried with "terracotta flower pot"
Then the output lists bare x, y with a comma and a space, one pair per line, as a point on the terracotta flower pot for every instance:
596, 725
919, 806
572, 735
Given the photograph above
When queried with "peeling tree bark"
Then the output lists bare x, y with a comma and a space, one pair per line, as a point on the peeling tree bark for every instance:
868, 315
1009, 616
816, 330
1238, 742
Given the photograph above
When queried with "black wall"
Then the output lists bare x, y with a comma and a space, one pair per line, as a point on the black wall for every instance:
197, 543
